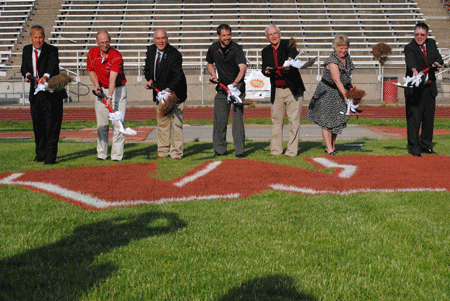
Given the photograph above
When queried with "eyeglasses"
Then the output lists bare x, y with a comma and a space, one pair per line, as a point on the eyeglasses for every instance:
420, 35
273, 34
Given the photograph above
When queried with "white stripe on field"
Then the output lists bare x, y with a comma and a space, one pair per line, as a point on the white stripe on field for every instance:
180, 199
348, 171
101, 204
210, 167
281, 187
70, 194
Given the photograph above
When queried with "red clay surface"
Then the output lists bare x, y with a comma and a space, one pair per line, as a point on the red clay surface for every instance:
88, 114
102, 187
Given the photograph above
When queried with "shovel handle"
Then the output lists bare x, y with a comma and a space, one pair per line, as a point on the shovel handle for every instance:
220, 84
101, 95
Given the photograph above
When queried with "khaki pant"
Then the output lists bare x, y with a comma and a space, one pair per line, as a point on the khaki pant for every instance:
119, 103
285, 103
170, 133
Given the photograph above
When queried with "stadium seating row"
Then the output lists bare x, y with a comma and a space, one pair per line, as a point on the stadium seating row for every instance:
13, 16
191, 26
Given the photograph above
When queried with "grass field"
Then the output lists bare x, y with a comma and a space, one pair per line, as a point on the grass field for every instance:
270, 246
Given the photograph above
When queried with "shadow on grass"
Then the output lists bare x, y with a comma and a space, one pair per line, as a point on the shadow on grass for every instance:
66, 269
131, 150
77, 155
275, 287
198, 147
254, 146
150, 152
305, 146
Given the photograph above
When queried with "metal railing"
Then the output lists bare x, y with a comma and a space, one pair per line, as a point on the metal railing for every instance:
368, 75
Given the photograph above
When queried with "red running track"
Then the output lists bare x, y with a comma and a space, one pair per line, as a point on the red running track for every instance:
88, 114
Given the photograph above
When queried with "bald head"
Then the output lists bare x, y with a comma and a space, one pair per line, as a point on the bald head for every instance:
160, 39
103, 41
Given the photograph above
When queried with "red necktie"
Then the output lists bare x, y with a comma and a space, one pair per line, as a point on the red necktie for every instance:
158, 61
37, 58
424, 52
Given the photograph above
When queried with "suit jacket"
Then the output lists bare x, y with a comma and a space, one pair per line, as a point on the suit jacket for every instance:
291, 76
415, 58
48, 63
169, 74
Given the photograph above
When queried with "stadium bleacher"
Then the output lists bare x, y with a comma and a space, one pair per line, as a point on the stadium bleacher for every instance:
13, 16
71, 25
191, 26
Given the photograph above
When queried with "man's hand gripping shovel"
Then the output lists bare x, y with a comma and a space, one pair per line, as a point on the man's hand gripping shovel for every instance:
167, 101
409, 82
232, 93
115, 116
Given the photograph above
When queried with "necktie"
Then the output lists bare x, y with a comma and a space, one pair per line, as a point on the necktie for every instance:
424, 52
158, 60
37, 58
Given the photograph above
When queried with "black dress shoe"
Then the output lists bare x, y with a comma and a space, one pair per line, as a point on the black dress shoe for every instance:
38, 160
429, 151
218, 155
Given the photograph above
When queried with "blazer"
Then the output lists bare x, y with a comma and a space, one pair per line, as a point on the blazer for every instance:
291, 76
415, 58
48, 63
170, 72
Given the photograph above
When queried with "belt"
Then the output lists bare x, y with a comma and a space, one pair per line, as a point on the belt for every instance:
117, 86
333, 85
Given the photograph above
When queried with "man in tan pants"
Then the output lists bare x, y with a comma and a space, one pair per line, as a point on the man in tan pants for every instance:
105, 66
163, 70
286, 93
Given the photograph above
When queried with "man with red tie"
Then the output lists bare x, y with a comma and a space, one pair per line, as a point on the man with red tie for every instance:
41, 61
421, 53
164, 70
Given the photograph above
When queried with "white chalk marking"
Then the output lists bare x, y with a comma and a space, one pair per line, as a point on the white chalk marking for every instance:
281, 187
210, 167
182, 199
102, 204
66, 193
348, 171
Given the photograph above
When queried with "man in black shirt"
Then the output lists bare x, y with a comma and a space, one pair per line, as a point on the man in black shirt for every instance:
229, 60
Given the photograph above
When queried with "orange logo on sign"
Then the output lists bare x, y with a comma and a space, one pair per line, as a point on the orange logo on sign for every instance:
257, 83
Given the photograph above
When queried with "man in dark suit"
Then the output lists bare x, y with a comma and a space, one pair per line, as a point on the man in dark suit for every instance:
41, 61
421, 53
163, 70
286, 92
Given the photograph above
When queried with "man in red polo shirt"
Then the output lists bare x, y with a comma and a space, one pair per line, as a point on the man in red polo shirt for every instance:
105, 66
